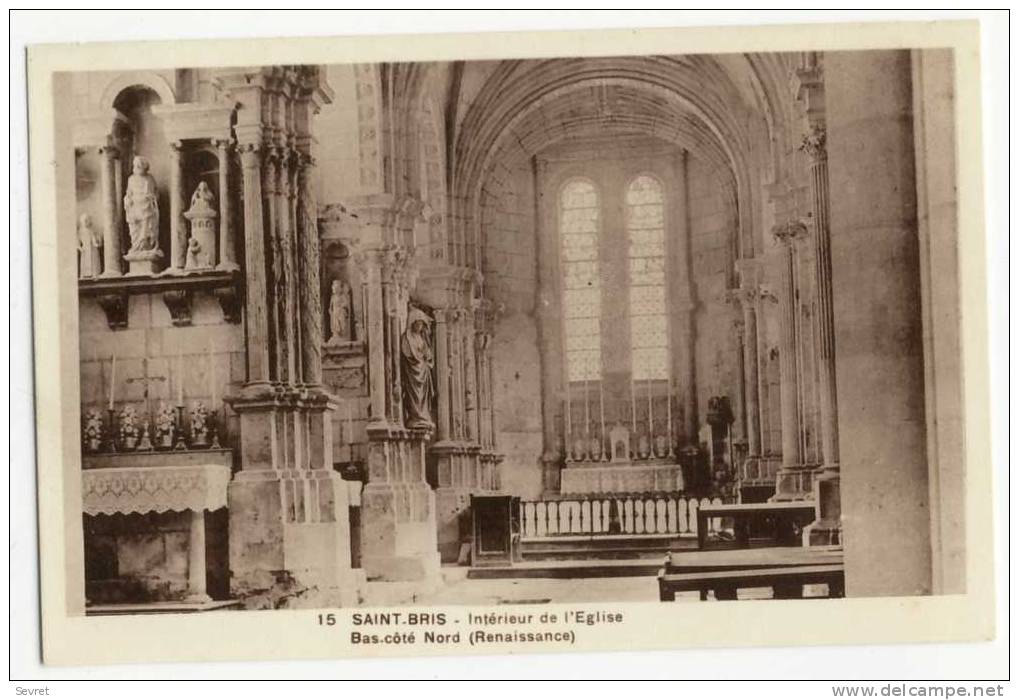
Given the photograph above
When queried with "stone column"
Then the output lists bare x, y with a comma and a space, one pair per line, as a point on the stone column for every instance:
747, 296
878, 330
108, 156
442, 374
256, 310
178, 227
226, 230
371, 276
310, 282
682, 307
814, 145
197, 591
470, 378
554, 384
789, 482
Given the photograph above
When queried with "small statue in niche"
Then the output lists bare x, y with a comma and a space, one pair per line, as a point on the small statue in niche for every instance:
199, 425
194, 248
203, 201
89, 243
201, 250
339, 313
141, 207
129, 428
416, 363
166, 422
92, 434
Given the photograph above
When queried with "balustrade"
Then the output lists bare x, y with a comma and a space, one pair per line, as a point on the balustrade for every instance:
616, 514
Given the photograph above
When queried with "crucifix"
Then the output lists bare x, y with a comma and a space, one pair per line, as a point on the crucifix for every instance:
145, 380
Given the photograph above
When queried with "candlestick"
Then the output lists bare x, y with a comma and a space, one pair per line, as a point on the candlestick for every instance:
180, 378
111, 430
587, 412
601, 411
350, 427
569, 420
212, 374
633, 409
650, 413
113, 377
668, 416
180, 444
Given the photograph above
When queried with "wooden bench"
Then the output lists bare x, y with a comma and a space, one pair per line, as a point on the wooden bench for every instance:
696, 560
785, 581
783, 518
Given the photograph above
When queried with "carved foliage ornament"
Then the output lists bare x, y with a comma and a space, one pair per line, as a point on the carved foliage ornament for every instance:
789, 231
815, 143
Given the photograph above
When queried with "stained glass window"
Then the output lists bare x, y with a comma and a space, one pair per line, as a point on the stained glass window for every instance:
579, 224
645, 226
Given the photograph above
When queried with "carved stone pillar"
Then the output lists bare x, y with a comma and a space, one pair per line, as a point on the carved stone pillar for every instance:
470, 377
108, 163
277, 274
227, 247
288, 508
256, 316
178, 226
791, 481
310, 277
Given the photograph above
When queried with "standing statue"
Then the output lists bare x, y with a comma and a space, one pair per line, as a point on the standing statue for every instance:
201, 247
416, 363
339, 313
89, 242
141, 207
203, 201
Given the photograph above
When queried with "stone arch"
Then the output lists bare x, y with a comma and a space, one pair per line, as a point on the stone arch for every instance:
518, 89
141, 79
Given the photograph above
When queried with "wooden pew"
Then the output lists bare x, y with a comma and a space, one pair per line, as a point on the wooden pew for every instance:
783, 518
784, 580
736, 560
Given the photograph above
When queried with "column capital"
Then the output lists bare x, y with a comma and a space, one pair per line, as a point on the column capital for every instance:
250, 155
789, 232
815, 142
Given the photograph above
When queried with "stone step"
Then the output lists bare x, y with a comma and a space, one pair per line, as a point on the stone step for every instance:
616, 547
569, 569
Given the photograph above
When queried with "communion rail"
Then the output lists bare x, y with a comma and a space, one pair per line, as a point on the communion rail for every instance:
613, 515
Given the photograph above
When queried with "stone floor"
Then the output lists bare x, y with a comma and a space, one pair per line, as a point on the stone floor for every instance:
457, 589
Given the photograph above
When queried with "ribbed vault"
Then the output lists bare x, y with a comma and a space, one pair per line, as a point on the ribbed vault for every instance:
691, 101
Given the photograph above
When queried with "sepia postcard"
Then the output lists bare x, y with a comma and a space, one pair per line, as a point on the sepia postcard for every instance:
471, 344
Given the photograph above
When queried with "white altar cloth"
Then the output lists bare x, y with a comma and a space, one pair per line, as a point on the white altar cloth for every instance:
194, 487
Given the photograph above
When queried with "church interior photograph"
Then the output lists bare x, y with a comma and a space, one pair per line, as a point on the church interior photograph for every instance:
671, 328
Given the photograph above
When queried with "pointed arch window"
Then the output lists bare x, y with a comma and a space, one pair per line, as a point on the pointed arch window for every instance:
645, 227
580, 228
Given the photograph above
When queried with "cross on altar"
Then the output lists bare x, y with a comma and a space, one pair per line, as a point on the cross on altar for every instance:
145, 380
